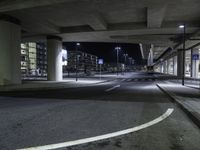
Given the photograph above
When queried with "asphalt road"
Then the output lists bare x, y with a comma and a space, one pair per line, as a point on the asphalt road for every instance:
34, 118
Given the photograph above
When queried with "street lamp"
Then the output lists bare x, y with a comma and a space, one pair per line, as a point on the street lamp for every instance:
77, 45
183, 57
125, 55
130, 60
117, 49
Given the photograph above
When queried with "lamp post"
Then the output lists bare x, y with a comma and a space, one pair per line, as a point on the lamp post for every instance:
77, 45
125, 55
117, 49
183, 57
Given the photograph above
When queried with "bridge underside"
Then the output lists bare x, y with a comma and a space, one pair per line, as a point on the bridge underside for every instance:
153, 24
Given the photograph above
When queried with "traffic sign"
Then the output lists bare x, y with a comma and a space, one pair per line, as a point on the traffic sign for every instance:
195, 57
100, 61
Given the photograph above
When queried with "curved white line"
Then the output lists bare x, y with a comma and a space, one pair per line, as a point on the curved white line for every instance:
103, 137
112, 88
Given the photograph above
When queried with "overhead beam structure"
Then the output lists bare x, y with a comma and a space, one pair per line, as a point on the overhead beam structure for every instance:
155, 16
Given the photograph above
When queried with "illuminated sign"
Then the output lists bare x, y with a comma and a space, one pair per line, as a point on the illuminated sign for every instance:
100, 61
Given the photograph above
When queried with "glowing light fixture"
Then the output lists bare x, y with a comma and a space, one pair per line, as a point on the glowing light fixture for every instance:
181, 26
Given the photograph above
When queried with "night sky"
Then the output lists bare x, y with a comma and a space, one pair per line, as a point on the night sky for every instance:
106, 50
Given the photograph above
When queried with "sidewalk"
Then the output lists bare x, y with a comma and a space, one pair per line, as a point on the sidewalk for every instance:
187, 98
190, 83
67, 83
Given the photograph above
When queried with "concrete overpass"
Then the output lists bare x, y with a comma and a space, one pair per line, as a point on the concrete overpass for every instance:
129, 21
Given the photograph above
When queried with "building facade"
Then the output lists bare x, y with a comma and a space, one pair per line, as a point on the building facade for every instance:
174, 63
85, 62
33, 59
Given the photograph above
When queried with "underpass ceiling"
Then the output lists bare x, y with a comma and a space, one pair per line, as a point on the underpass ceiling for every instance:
131, 21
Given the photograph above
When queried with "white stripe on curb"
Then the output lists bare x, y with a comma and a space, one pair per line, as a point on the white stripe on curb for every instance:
112, 88
103, 137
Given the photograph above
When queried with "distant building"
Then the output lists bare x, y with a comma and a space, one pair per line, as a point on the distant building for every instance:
112, 67
85, 62
33, 59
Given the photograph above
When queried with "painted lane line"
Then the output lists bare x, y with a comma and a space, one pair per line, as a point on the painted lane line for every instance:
123, 80
112, 88
105, 136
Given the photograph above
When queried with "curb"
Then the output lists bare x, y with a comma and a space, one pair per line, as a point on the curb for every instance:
51, 88
194, 118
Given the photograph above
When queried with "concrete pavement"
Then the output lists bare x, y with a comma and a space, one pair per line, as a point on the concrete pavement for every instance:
36, 118
187, 98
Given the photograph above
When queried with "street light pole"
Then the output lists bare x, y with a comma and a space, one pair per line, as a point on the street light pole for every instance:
183, 79
117, 48
183, 57
77, 44
125, 55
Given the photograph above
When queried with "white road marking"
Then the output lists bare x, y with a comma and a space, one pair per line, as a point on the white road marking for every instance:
105, 136
123, 80
112, 88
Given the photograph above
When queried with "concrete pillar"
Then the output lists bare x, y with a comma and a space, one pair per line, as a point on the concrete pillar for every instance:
165, 67
180, 63
194, 64
54, 58
150, 57
175, 65
162, 67
168, 66
10, 55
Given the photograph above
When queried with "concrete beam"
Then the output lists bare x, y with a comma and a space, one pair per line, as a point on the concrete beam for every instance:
46, 26
155, 16
39, 24
97, 22
8, 5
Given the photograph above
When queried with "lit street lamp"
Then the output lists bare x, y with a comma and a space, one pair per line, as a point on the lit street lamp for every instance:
183, 57
117, 49
77, 45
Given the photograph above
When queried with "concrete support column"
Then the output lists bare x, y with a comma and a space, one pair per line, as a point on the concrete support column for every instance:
165, 67
175, 65
180, 63
194, 64
161, 68
150, 57
168, 66
54, 58
10, 55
